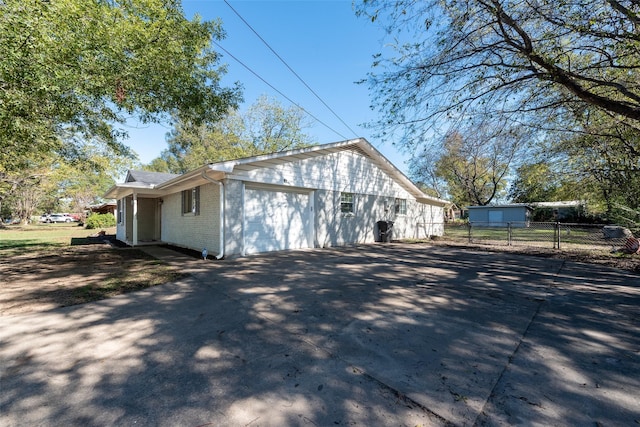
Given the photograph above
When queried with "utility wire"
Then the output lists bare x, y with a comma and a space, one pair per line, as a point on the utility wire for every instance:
282, 94
292, 71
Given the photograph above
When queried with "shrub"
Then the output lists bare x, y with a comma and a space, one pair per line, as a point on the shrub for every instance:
100, 221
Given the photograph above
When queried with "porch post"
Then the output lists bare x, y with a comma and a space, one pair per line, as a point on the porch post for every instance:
134, 203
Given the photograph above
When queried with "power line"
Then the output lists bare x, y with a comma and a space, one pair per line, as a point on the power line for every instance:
292, 71
279, 92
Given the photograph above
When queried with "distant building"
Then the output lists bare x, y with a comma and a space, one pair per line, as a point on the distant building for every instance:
108, 207
452, 213
516, 214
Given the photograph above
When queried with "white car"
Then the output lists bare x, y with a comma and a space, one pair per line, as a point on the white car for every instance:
56, 218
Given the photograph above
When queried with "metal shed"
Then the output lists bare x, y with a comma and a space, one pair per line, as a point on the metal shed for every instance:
516, 214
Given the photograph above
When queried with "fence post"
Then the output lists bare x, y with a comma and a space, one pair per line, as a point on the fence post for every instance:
557, 235
508, 234
470, 235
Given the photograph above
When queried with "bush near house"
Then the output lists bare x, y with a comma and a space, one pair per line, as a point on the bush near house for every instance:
96, 220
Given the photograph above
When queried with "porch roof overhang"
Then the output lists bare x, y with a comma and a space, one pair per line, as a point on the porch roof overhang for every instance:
119, 191
145, 190
193, 178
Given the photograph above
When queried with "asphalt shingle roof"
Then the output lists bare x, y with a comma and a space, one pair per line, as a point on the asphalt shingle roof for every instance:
146, 177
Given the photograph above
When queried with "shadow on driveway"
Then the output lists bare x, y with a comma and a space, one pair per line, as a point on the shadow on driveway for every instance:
373, 335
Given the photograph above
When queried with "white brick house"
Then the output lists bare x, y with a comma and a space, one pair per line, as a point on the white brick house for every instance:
326, 195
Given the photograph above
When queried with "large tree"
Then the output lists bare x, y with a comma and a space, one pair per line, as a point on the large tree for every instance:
606, 154
543, 181
597, 160
457, 57
266, 127
72, 70
53, 183
551, 66
470, 165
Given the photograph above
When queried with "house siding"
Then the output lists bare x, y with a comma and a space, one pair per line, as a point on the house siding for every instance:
193, 231
328, 177
347, 171
128, 215
421, 221
333, 228
121, 230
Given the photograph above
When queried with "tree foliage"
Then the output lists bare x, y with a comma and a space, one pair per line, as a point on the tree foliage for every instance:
598, 161
96, 220
506, 57
471, 163
52, 183
605, 155
565, 70
541, 182
72, 69
266, 127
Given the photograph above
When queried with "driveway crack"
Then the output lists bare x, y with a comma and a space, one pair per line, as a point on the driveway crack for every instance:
401, 397
510, 359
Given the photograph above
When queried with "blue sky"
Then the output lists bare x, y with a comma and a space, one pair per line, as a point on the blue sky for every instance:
321, 40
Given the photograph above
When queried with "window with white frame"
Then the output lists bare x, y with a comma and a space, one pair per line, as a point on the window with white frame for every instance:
191, 201
401, 206
346, 203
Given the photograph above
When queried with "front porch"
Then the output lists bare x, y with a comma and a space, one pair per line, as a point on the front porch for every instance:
140, 220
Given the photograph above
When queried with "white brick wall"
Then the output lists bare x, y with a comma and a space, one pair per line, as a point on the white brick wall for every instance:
193, 231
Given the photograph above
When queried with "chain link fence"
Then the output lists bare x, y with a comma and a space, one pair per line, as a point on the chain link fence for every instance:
554, 235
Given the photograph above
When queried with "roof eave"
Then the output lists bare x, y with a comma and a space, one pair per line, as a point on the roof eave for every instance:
433, 201
119, 191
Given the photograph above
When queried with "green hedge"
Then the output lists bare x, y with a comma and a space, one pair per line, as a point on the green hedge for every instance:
100, 221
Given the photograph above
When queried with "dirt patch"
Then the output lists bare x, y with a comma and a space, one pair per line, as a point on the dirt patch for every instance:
45, 279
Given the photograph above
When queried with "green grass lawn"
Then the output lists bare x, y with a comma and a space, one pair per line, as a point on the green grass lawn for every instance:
18, 238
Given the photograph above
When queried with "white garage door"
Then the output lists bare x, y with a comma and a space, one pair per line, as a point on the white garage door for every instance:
275, 220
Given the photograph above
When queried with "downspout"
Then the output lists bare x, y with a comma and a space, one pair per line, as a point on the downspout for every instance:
222, 199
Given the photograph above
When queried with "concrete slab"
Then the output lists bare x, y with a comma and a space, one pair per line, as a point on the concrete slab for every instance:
373, 335
579, 361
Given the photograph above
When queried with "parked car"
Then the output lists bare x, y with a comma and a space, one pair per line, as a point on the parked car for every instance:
56, 218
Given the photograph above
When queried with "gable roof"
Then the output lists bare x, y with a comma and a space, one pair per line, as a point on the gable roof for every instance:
220, 169
146, 177
360, 144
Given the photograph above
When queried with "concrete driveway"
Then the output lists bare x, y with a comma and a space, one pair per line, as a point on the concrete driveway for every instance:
375, 335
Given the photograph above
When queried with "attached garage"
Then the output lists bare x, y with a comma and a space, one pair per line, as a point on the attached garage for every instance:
276, 220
